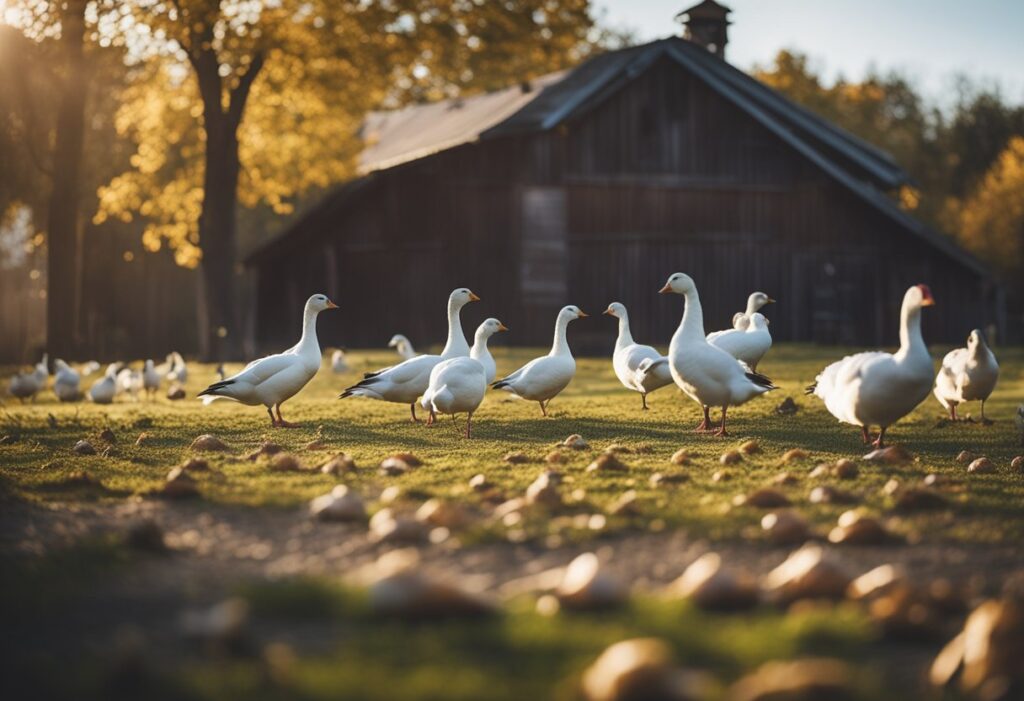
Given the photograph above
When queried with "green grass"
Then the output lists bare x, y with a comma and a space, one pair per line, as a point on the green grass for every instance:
988, 508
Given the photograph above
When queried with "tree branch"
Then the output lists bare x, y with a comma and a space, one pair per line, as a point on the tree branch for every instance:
240, 93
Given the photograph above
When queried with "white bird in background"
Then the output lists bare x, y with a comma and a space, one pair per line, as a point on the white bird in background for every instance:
403, 346
878, 388
27, 385
129, 382
708, 375
338, 362
150, 379
741, 320
66, 382
967, 374
89, 368
178, 371
406, 382
273, 380
456, 385
480, 352
104, 389
746, 345
543, 378
629, 356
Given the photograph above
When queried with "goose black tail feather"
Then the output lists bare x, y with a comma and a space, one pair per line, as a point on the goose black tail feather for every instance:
216, 386
760, 380
810, 389
499, 384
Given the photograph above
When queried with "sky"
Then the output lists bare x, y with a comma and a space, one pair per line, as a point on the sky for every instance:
931, 41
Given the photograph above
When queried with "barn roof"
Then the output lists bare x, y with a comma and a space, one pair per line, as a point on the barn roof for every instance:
417, 131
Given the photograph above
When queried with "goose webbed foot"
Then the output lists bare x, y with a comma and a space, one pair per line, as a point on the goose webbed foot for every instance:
721, 432
880, 441
705, 425
281, 423
865, 436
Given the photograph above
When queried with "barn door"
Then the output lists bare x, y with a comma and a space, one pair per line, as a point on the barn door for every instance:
838, 297
543, 269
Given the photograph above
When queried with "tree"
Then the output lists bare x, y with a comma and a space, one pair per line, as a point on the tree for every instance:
247, 102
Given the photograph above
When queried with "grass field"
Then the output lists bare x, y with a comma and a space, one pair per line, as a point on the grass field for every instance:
66, 569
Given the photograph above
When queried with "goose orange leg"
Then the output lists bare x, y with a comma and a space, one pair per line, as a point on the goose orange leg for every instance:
273, 421
721, 429
705, 425
644, 397
880, 441
543, 408
412, 407
469, 425
865, 436
280, 419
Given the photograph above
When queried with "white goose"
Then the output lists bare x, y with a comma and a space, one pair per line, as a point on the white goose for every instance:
878, 388
967, 374
708, 375
273, 380
178, 371
66, 382
403, 346
543, 378
480, 352
456, 385
150, 379
104, 389
746, 345
406, 382
27, 385
339, 364
629, 356
741, 320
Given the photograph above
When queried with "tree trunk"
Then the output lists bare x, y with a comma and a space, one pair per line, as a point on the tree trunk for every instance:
62, 219
221, 323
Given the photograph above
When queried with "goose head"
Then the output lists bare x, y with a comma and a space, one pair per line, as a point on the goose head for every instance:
149, 366
490, 327
397, 341
61, 365
976, 341
460, 297
678, 283
318, 303
918, 296
570, 313
616, 309
758, 300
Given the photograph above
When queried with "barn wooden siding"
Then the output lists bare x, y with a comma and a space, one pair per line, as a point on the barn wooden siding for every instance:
663, 175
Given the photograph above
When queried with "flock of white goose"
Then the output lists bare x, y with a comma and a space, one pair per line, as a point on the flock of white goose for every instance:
717, 370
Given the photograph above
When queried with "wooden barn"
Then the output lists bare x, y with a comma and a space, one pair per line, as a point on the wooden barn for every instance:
593, 185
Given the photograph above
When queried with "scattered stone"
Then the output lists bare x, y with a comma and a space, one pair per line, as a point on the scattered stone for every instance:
555, 457
176, 391
638, 669
512, 506
845, 469
625, 505
576, 442
340, 464
794, 455
391, 494
479, 483
711, 585
919, 499
893, 455
394, 466
965, 457
721, 476
787, 408
806, 574
266, 449
821, 470
681, 457
986, 654
408, 458
179, 485
108, 436
891, 487
315, 444
750, 447
785, 478
827, 494
145, 535
445, 514
341, 504
731, 457
981, 466
286, 462
585, 586
607, 462
195, 465
660, 479
516, 458
143, 439
762, 499
83, 447
618, 448
206, 442
877, 582
411, 594
388, 527
814, 679
785, 527
544, 491
643, 449
857, 529
1017, 464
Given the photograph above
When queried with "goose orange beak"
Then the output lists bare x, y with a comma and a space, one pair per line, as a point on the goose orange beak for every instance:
581, 314
331, 305
665, 290
770, 301
609, 312
502, 327
926, 296
473, 297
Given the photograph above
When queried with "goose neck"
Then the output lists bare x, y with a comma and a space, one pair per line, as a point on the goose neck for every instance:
308, 339
911, 340
625, 334
692, 325
456, 344
560, 345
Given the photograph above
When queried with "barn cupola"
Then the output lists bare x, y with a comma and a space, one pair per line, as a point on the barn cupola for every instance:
707, 24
